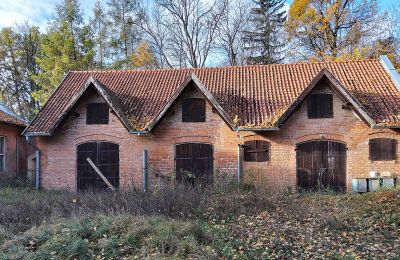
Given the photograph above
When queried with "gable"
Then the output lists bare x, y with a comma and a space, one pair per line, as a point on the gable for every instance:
191, 82
326, 78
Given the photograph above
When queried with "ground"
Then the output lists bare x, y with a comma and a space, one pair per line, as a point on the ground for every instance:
233, 223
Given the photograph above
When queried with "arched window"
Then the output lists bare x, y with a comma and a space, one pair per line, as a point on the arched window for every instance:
382, 149
256, 151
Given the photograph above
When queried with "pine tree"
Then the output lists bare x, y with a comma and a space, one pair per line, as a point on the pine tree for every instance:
67, 46
265, 42
100, 28
124, 32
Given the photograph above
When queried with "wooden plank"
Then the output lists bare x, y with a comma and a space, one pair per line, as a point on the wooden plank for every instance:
100, 174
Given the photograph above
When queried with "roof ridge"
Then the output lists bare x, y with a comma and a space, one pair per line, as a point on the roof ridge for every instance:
224, 67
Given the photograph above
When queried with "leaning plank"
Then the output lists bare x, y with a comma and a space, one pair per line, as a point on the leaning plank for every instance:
100, 174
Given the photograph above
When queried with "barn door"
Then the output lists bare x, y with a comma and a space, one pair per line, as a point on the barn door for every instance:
321, 164
193, 163
106, 157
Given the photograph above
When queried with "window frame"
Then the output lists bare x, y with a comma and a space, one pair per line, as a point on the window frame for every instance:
92, 120
3, 154
377, 148
315, 108
255, 147
188, 118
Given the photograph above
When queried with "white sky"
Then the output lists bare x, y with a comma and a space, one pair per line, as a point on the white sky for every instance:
37, 12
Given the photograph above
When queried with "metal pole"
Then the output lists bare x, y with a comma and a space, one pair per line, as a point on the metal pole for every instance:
37, 155
239, 163
145, 170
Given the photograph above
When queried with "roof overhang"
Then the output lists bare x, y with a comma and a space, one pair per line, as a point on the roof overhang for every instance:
338, 88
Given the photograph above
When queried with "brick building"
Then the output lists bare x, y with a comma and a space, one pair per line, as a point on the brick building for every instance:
14, 150
292, 125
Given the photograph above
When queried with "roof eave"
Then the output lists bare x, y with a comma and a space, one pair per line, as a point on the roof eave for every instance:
257, 129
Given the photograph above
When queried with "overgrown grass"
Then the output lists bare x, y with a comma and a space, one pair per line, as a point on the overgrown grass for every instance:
108, 237
236, 222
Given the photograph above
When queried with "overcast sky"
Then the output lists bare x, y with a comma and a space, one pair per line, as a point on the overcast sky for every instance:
37, 12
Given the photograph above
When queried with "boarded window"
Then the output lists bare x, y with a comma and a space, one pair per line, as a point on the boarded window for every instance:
2, 153
97, 113
320, 106
256, 151
193, 110
382, 149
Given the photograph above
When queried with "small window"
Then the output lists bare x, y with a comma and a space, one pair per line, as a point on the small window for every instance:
193, 110
382, 149
97, 113
2, 153
320, 106
256, 151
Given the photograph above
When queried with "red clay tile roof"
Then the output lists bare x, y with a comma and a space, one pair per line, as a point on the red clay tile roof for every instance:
8, 117
256, 95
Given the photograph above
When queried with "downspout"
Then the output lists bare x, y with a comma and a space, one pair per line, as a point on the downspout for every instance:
145, 170
37, 163
239, 163
17, 156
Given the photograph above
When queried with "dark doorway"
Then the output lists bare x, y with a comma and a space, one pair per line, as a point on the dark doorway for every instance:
194, 163
321, 165
106, 157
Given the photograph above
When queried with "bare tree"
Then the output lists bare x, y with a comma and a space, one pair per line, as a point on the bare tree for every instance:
183, 32
231, 29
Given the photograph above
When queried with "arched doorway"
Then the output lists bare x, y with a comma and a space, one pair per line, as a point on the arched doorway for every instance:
194, 163
105, 156
321, 164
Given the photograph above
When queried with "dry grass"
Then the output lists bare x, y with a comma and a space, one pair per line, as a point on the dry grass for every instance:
188, 223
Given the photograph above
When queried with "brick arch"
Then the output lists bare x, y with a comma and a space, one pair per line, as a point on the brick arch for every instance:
97, 137
194, 139
315, 137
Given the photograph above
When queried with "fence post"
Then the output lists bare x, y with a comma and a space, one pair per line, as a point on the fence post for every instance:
145, 170
239, 163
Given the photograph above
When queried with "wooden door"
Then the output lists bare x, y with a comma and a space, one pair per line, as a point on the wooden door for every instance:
193, 163
320, 165
105, 156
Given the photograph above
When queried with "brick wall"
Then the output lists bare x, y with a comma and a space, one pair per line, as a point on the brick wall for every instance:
58, 168
14, 164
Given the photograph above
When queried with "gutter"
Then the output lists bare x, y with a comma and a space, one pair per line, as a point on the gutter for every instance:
390, 70
258, 129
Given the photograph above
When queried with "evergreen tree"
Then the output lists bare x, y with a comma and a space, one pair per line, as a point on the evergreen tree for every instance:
100, 26
124, 32
265, 42
67, 46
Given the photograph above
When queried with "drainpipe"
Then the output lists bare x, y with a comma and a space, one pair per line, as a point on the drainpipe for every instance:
239, 163
17, 156
37, 170
145, 170
37, 163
